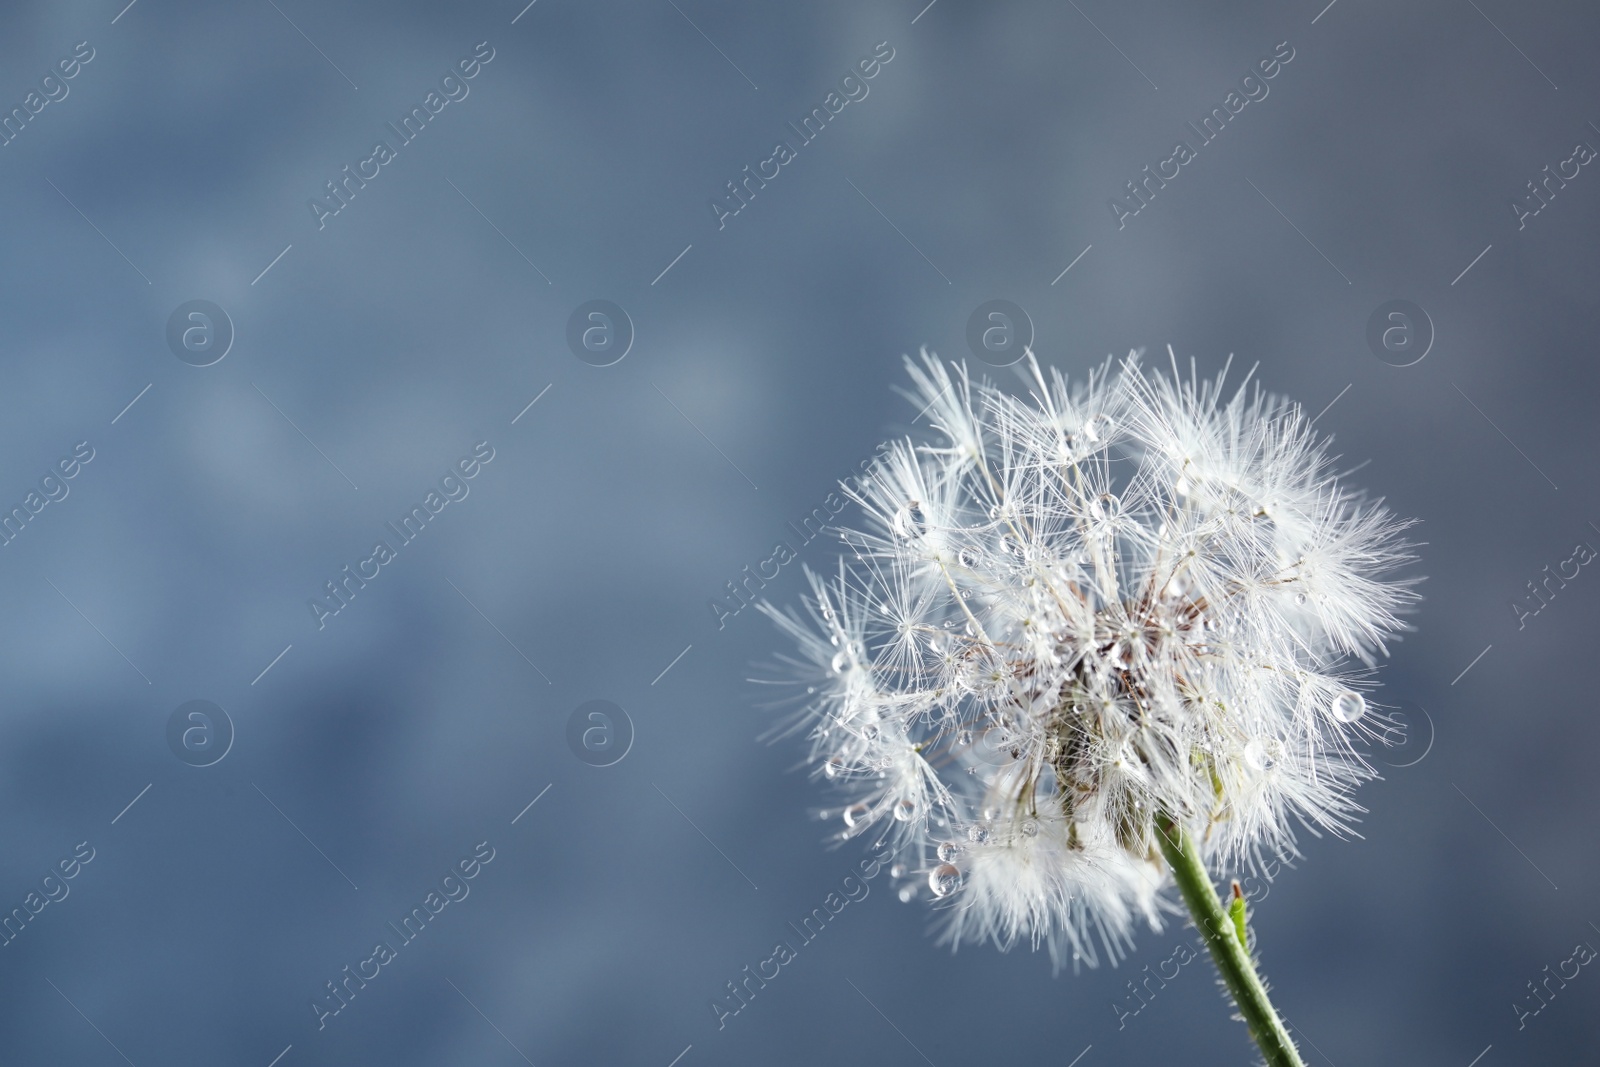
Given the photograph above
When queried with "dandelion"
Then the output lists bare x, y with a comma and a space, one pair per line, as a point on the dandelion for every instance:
1093, 644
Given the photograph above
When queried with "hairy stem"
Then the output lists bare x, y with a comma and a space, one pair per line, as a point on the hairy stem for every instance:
1228, 950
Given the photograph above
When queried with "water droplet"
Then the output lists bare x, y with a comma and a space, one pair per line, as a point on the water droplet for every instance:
979, 835
856, 815
966, 594
944, 880
947, 851
1182, 486
898, 871
1261, 754
1098, 427
841, 662
905, 811
909, 521
1009, 546
964, 737
834, 767
969, 557
907, 893
1029, 828
869, 732
1348, 706
1299, 598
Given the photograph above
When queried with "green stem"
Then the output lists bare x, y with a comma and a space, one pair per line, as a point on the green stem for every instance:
1228, 951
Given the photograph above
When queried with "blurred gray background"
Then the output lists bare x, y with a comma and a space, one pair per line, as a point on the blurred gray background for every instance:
373, 353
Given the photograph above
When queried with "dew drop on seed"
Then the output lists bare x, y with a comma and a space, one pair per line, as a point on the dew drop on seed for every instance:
1029, 828
834, 767
905, 811
1299, 598
1260, 754
1348, 706
909, 521
964, 737
869, 732
841, 662
968, 557
855, 815
944, 880
978, 835
898, 871
947, 851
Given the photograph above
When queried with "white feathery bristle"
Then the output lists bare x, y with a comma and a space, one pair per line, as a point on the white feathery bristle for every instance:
1081, 610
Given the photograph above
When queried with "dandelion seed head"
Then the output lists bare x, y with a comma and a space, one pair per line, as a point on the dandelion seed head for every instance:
1078, 611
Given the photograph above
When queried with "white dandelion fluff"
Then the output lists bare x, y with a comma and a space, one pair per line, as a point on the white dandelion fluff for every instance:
1083, 614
